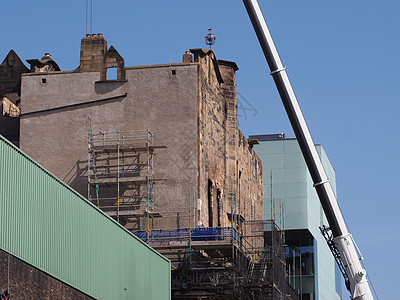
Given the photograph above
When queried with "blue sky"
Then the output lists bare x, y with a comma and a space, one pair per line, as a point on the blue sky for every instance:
341, 56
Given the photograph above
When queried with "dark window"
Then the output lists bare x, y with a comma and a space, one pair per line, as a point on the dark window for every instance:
306, 297
219, 207
44, 80
300, 262
210, 206
173, 72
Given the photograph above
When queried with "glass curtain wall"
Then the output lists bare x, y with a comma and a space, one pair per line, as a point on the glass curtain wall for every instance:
300, 262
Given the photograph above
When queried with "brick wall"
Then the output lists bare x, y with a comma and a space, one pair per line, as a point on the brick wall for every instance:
26, 282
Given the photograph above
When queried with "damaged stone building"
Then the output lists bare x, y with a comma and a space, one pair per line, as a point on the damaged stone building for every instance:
190, 109
11, 70
158, 148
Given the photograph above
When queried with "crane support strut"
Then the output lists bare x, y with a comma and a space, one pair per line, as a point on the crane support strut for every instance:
342, 239
319, 183
277, 71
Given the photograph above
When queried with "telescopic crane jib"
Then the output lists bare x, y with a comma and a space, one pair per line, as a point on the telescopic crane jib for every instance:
342, 244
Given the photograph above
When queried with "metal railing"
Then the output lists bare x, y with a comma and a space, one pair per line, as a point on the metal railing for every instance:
205, 234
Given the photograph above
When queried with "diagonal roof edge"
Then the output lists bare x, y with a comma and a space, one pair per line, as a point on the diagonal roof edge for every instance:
10, 53
202, 52
228, 63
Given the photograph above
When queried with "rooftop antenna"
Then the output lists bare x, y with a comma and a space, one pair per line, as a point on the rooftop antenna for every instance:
89, 16
86, 16
210, 38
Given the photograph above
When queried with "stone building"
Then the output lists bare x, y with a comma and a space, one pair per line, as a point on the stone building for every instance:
204, 171
11, 70
159, 149
46, 64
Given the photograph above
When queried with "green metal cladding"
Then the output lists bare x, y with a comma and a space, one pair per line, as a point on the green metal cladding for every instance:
50, 226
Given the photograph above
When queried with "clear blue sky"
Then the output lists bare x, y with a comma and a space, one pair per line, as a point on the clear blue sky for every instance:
341, 56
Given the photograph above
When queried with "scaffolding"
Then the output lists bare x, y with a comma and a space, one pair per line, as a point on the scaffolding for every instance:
121, 175
245, 260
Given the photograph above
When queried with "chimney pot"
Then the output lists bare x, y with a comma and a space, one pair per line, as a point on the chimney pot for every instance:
94, 34
100, 34
88, 35
187, 57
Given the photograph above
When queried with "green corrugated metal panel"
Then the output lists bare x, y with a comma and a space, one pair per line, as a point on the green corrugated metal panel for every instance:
47, 224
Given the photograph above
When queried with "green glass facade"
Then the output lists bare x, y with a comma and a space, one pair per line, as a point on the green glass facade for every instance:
51, 227
311, 266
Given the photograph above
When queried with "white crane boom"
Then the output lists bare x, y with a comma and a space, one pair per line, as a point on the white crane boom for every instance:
342, 244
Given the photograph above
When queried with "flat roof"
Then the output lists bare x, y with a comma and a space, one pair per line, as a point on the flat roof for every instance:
268, 137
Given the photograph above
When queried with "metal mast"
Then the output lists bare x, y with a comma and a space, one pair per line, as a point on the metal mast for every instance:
343, 241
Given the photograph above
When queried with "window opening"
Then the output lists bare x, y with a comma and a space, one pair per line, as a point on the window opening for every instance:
210, 208
112, 74
219, 207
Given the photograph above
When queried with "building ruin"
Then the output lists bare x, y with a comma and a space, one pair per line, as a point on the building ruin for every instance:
190, 110
159, 149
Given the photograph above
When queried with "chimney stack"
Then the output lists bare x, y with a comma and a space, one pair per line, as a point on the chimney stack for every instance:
187, 57
96, 58
93, 50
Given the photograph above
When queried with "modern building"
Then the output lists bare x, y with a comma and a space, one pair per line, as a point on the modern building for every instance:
289, 195
54, 244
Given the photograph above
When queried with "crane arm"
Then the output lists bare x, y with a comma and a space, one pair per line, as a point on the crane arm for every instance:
342, 239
